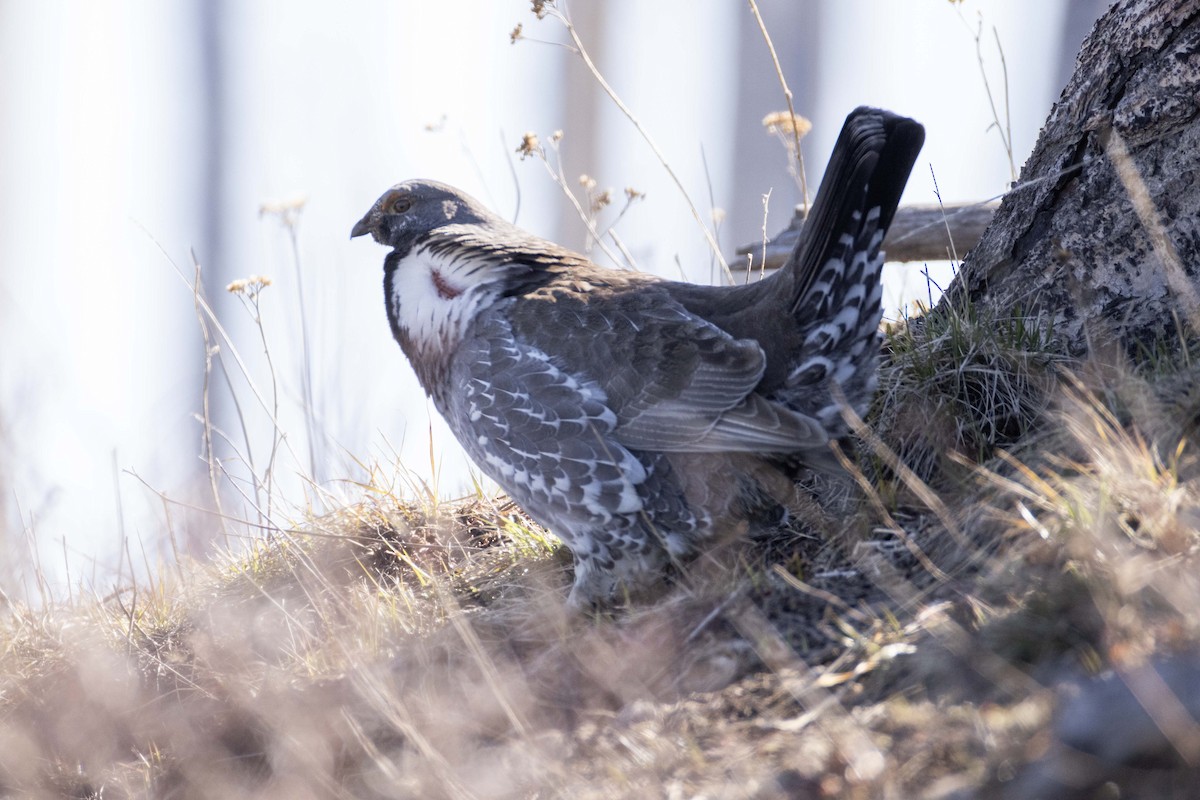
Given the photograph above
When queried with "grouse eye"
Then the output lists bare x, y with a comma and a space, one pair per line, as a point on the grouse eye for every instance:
401, 204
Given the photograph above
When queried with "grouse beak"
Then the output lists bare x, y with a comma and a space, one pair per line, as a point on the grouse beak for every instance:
362, 227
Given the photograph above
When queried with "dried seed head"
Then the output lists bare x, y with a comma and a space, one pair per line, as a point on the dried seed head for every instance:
529, 145
250, 286
516, 33
556, 137
601, 200
784, 122
587, 181
287, 207
632, 194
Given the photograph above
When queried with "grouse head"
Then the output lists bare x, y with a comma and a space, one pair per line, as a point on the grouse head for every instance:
411, 210
451, 260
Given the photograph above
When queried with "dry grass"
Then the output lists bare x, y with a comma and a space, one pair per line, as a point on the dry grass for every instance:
392, 649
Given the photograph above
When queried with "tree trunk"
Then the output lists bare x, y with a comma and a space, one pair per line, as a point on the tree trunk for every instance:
1102, 235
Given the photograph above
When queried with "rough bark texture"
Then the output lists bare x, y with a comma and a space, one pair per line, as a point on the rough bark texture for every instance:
1069, 244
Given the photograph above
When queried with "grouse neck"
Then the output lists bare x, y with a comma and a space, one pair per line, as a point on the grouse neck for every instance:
431, 300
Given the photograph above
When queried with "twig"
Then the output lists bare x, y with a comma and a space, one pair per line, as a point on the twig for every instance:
937, 192
917, 233
291, 222
624, 109
1012, 167
560, 178
206, 423
712, 209
787, 94
762, 262
1002, 128
224, 334
512, 171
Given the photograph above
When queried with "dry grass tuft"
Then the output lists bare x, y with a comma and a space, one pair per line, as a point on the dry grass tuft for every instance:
963, 383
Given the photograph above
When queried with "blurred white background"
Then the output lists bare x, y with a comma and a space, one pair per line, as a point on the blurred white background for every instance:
134, 132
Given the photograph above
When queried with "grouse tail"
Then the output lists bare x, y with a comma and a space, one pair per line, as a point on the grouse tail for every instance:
834, 270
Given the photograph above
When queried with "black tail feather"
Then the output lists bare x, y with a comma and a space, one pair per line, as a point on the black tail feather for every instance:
869, 167
834, 272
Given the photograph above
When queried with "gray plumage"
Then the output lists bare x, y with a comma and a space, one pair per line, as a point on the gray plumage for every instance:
633, 416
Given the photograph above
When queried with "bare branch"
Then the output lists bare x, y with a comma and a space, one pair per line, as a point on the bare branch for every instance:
918, 233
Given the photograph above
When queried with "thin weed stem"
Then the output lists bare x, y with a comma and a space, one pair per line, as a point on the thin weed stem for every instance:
1004, 129
787, 95
641, 129
291, 223
206, 397
589, 220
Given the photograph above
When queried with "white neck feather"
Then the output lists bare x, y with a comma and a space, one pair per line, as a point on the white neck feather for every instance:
435, 297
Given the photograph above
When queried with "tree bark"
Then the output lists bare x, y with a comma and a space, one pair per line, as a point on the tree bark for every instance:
1101, 236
